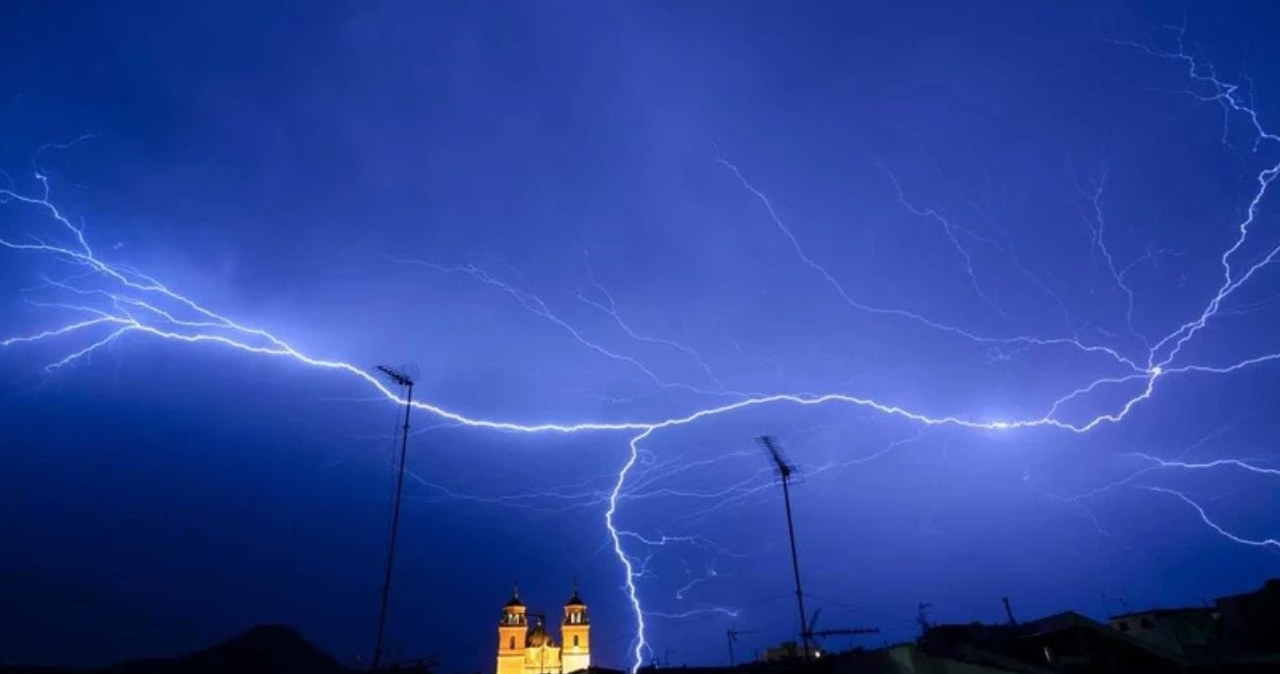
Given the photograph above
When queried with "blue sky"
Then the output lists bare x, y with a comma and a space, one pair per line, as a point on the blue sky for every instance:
625, 213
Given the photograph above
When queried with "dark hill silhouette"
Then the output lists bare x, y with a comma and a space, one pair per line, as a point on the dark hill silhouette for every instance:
268, 649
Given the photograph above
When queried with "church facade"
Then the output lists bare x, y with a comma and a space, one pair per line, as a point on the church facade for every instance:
525, 647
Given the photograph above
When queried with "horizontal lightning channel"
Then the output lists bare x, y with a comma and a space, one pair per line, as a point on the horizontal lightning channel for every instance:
121, 301
1206, 465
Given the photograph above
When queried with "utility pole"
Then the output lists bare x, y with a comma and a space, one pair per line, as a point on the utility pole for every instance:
404, 381
785, 469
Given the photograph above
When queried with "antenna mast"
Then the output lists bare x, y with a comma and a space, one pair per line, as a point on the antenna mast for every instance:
785, 470
406, 382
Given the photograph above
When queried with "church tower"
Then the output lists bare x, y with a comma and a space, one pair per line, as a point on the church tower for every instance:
513, 630
575, 635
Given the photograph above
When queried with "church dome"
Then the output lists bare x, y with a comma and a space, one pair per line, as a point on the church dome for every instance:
538, 636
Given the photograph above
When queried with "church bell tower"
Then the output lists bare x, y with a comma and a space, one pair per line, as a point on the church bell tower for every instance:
513, 630
575, 635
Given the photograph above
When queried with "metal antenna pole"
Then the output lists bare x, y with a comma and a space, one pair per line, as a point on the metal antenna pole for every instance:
795, 563
405, 381
785, 470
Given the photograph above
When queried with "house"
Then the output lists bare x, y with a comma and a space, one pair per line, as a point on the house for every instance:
1250, 622
1190, 633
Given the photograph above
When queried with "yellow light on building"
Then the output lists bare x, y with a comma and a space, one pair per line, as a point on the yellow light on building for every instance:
526, 650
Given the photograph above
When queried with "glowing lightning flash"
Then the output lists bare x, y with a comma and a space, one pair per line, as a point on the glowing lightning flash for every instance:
114, 301
1255, 542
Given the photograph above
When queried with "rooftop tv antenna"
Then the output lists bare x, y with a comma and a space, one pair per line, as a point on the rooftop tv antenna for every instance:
785, 470
844, 632
816, 634
403, 380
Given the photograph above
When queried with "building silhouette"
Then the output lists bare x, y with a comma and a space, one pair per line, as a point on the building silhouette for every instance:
526, 647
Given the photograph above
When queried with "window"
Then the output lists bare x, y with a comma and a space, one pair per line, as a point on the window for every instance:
511, 644
575, 641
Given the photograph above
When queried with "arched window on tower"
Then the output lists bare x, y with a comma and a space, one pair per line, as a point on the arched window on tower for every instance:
511, 644
575, 641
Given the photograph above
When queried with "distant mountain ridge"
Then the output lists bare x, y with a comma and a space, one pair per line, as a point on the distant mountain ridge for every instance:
266, 649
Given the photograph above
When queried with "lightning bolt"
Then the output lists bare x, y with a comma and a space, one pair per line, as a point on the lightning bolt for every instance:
1097, 226
1228, 96
114, 301
695, 580
1204, 517
950, 231
1206, 465
639, 644
715, 610
610, 308
534, 304
1023, 340
1178, 463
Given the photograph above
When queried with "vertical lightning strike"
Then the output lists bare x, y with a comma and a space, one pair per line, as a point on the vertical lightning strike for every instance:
639, 644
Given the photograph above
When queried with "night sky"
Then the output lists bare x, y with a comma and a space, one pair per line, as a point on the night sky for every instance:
999, 231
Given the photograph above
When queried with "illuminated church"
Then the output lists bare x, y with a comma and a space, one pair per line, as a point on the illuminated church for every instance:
525, 649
